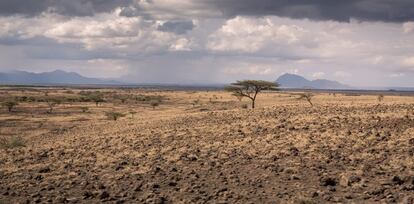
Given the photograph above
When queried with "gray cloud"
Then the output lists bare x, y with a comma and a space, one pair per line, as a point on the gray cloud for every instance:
150, 40
63, 7
371, 10
177, 27
341, 10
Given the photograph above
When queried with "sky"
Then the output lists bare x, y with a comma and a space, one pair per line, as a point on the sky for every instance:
365, 43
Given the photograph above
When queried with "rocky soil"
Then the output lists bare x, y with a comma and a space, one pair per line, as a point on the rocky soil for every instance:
280, 154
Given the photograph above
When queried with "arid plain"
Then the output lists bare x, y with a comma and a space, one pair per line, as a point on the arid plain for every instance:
204, 147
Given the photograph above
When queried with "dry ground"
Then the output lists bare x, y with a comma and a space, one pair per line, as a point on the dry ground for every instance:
202, 147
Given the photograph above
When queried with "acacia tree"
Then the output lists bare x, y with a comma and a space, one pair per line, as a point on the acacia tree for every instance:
250, 88
97, 98
380, 98
307, 97
52, 102
9, 105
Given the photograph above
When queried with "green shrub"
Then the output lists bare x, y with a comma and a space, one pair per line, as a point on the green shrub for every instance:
154, 104
149, 98
114, 115
196, 102
380, 97
52, 102
132, 113
13, 142
9, 105
84, 109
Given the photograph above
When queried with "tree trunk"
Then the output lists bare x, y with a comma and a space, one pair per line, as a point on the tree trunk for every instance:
254, 98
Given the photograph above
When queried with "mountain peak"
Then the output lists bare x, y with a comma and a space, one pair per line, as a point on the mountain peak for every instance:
296, 81
58, 71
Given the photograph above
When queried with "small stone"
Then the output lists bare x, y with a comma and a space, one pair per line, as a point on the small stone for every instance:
60, 199
44, 170
331, 188
327, 181
38, 177
377, 191
407, 200
346, 180
87, 194
348, 196
397, 180
104, 195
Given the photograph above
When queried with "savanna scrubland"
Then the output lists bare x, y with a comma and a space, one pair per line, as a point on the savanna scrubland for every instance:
73, 145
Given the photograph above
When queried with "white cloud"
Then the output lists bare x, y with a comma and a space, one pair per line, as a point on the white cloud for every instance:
102, 31
26, 28
250, 35
342, 74
396, 75
408, 61
377, 60
173, 9
294, 71
318, 75
250, 69
237, 48
408, 27
181, 44
112, 31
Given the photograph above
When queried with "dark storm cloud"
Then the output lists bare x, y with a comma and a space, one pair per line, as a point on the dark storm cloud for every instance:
177, 27
337, 10
64, 7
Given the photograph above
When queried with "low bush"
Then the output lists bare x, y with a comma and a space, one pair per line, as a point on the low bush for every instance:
9, 105
84, 109
13, 142
154, 104
114, 115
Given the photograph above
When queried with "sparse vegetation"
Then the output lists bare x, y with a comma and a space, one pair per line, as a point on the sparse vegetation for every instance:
95, 96
12, 142
154, 104
251, 155
149, 98
196, 102
9, 105
97, 99
84, 109
132, 113
306, 96
380, 98
114, 115
250, 88
52, 103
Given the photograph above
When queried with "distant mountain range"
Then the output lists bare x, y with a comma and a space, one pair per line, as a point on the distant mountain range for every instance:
299, 82
54, 77
59, 77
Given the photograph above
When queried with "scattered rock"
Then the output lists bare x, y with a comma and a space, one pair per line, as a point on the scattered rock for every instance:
103, 195
44, 170
397, 180
328, 181
346, 180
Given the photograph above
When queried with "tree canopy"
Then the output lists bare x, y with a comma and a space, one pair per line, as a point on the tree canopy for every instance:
250, 88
